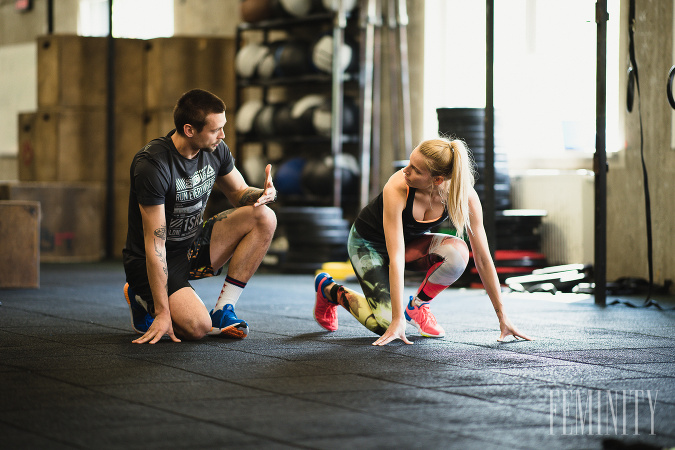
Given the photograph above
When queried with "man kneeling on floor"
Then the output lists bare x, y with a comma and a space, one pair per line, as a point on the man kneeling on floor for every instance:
169, 243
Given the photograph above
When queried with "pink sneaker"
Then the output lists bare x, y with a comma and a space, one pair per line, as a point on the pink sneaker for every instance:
421, 317
325, 312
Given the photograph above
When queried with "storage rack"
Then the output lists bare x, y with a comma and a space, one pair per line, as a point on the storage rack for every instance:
336, 80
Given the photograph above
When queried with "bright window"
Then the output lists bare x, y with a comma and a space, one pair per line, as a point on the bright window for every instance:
144, 19
544, 72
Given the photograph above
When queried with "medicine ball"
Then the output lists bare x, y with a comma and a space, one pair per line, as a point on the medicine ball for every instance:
283, 120
263, 124
323, 115
322, 54
303, 110
254, 170
247, 59
288, 177
246, 116
296, 8
268, 63
318, 176
255, 10
292, 58
332, 5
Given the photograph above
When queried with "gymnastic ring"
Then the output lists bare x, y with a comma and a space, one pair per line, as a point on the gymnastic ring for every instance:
669, 89
630, 94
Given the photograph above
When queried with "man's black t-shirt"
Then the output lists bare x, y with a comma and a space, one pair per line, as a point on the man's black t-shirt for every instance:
162, 176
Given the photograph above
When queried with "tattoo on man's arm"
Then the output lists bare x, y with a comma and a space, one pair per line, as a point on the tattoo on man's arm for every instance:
161, 232
250, 196
159, 251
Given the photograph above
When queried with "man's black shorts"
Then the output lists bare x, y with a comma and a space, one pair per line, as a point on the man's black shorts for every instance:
193, 265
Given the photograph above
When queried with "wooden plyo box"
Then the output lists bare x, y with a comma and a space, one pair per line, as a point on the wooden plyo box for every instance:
72, 72
177, 64
26, 134
69, 144
72, 225
20, 244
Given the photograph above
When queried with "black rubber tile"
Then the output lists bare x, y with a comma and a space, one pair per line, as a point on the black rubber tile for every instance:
291, 419
385, 401
123, 345
532, 396
656, 368
610, 356
152, 393
123, 375
450, 376
82, 361
660, 388
573, 373
414, 439
25, 436
237, 365
22, 390
469, 415
80, 416
341, 382
481, 358
158, 434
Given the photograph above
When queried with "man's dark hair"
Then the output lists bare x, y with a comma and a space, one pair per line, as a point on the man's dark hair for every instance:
193, 107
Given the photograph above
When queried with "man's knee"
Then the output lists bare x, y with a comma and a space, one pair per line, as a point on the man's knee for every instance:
194, 328
265, 218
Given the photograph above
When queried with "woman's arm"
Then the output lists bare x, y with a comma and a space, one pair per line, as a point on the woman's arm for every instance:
486, 268
394, 195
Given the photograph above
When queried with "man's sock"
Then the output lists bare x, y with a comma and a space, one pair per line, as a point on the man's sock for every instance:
230, 293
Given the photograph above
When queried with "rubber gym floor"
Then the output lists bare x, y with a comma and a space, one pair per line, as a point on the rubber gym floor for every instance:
595, 377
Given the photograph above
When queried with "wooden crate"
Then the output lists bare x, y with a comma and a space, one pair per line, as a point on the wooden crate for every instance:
72, 227
158, 122
20, 244
121, 218
26, 144
130, 135
72, 72
177, 64
70, 145
130, 75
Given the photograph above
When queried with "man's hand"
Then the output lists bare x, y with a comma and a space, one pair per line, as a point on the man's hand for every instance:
269, 194
395, 331
161, 326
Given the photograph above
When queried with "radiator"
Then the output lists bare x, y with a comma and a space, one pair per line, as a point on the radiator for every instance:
568, 197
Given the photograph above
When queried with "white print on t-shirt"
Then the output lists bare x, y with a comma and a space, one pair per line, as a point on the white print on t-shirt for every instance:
187, 215
196, 186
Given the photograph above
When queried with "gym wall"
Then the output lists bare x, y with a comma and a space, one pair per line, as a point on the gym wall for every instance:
626, 229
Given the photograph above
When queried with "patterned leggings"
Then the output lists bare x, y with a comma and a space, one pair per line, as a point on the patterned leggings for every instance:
441, 256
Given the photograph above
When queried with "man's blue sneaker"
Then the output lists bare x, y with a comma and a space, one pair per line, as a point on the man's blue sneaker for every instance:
140, 318
225, 323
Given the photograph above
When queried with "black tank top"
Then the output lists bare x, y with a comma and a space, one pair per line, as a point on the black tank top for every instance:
369, 222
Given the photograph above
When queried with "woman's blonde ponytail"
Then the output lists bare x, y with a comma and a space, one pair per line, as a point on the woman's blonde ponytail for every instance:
451, 160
